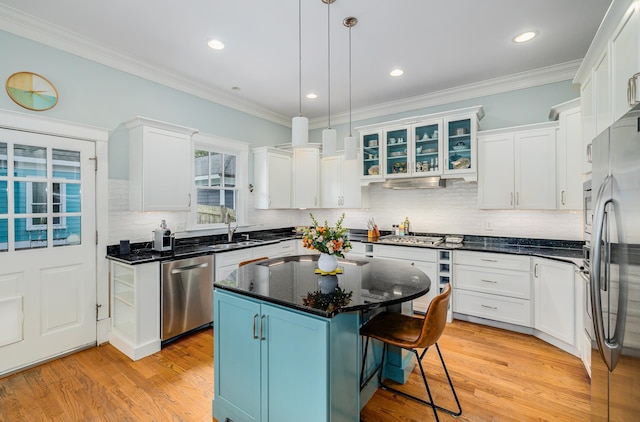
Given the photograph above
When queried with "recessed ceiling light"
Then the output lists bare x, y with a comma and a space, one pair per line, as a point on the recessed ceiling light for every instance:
216, 44
312, 96
525, 36
396, 72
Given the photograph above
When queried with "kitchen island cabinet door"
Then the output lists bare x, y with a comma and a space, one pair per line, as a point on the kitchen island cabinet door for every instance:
270, 364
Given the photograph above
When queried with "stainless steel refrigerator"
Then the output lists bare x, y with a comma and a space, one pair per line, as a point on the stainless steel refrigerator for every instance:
615, 272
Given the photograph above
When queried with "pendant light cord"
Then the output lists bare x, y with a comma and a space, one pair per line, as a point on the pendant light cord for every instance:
350, 134
329, 62
300, 58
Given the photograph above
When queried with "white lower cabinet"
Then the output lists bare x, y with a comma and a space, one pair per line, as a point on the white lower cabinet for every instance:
554, 298
227, 262
492, 286
422, 258
135, 308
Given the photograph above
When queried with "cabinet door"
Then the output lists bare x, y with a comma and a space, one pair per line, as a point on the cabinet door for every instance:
625, 60
554, 299
237, 383
459, 141
496, 172
427, 148
396, 151
286, 397
351, 189
431, 270
279, 181
227, 262
330, 182
602, 93
306, 169
534, 182
569, 169
371, 155
588, 123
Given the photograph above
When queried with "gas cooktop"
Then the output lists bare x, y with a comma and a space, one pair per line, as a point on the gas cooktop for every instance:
412, 240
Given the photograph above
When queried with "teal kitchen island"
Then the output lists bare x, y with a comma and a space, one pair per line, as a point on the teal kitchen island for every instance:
286, 339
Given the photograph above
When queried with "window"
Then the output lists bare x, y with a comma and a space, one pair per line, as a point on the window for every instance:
220, 171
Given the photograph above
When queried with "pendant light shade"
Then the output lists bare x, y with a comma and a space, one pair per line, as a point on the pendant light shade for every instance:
350, 148
329, 141
299, 132
299, 124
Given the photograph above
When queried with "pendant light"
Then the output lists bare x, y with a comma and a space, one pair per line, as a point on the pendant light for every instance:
350, 142
329, 136
299, 124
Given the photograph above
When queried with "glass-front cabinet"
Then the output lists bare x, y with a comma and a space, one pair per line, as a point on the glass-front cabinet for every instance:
460, 145
427, 148
371, 144
397, 151
440, 144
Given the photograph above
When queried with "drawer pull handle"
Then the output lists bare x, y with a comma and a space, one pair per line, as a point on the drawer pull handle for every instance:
488, 260
488, 281
261, 321
489, 307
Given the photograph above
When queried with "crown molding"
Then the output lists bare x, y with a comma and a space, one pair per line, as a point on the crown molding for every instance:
546, 75
43, 32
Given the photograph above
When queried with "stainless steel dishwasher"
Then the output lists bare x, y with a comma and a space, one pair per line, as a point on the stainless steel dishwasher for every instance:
187, 295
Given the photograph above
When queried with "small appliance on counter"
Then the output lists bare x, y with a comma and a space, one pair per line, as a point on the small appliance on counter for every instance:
163, 239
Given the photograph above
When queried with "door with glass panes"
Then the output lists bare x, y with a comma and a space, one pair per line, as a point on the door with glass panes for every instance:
47, 247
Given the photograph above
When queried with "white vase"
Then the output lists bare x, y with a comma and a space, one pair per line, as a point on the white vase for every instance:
327, 263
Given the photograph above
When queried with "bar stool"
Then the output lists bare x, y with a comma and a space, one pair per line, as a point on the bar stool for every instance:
411, 333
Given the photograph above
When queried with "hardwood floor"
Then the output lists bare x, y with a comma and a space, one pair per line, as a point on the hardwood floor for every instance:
499, 376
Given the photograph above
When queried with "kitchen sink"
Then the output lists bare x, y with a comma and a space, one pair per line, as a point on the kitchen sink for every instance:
233, 245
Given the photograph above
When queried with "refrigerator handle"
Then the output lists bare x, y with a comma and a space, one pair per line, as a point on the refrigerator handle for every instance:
609, 348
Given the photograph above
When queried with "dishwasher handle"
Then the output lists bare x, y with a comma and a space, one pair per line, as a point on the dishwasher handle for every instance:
189, 268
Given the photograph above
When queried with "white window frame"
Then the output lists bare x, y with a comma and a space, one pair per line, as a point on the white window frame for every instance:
240, 150
63, 208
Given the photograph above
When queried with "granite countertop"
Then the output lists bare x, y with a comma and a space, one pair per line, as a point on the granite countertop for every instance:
363, 284
563, 250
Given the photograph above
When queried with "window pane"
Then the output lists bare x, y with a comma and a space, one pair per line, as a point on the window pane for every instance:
29, 161
66, 197
30, 239
3, 159
229, 171
201, 162
70, 235
209, 210
215, 171
230, 199
66, 164
4, 235
30, 197
4, 204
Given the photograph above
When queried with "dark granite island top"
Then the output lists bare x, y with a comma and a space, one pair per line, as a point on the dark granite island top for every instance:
364, 284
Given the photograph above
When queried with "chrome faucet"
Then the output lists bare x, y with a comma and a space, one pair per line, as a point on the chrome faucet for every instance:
227, 221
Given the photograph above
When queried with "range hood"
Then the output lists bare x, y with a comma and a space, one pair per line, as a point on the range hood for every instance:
432, 182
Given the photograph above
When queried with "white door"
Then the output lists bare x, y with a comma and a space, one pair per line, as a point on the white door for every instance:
47, 247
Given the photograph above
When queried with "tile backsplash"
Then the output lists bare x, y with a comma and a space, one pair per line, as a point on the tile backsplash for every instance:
451, 210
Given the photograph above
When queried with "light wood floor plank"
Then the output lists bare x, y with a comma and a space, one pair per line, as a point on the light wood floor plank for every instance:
499, 376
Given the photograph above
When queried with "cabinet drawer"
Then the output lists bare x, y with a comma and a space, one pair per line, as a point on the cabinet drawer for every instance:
358, 248
497, 308
400, 252
496, 281
492, 260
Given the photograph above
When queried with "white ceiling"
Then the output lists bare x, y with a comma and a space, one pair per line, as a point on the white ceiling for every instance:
440, 44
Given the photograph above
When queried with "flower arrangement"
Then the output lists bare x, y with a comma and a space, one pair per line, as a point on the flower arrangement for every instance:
325, 239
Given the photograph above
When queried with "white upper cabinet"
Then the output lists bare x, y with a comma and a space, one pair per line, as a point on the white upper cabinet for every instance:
272, 178
439, 144
306, 170
339, 183
159, 165
607, 75
569, 148
517, 168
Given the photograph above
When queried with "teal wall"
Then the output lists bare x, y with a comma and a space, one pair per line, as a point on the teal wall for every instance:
99, 95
